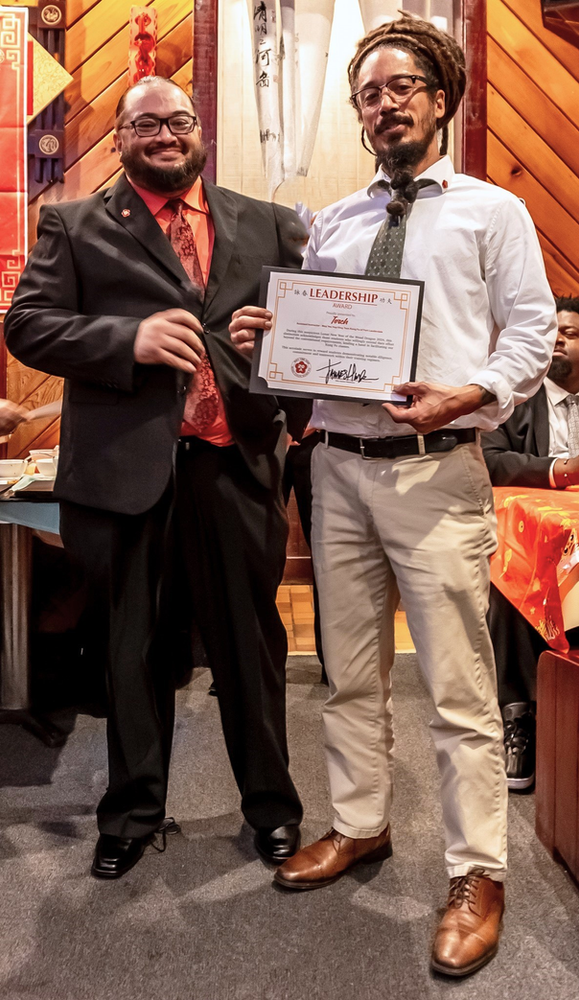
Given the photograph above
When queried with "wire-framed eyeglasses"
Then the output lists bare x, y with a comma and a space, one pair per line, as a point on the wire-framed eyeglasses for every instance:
399, 88
148, 125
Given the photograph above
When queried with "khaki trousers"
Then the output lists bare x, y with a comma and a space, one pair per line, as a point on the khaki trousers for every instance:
422, 528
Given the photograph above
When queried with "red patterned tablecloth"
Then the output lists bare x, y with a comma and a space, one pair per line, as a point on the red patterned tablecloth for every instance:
536, 565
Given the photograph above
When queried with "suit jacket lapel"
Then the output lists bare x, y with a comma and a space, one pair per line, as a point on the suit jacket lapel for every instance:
223, 211
541, 422
129, 210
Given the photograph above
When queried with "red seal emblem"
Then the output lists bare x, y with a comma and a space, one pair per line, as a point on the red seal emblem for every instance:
301, 367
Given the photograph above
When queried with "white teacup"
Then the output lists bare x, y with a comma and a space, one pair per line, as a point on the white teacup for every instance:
37, 453
46, 466
12, 468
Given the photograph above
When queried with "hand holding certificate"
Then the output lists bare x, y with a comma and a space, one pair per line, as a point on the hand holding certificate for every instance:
336, 335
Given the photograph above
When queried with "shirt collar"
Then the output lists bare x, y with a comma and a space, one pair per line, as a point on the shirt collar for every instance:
194, 198
441, 173
555, 394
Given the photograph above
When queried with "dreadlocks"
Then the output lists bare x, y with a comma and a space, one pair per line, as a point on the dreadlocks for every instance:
440, 58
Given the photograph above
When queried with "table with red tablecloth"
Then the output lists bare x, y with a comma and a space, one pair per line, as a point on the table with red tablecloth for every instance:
536, 565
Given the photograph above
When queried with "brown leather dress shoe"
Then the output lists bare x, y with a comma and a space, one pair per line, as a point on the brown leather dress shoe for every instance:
329, 858
468, 934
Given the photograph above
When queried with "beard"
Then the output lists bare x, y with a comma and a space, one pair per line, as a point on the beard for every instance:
560, 370
165, 180
402, 157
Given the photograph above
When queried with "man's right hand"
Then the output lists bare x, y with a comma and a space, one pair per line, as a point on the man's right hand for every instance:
170, 338
244, 323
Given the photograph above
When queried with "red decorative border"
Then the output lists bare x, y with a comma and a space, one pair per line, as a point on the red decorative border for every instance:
13, 149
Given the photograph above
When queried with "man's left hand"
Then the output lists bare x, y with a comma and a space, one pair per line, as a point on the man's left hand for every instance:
244, 323
434, 406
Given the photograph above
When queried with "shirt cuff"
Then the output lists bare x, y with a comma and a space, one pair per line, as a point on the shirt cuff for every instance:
490, 416
552, 475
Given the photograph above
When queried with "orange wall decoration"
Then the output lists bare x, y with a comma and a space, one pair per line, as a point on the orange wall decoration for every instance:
143, 43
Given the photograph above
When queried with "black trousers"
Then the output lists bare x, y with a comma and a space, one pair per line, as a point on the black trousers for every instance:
222, 537
232, 536
297, 475
517, 646
125, 559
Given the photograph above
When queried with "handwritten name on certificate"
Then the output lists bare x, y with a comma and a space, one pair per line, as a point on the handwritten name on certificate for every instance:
337, 335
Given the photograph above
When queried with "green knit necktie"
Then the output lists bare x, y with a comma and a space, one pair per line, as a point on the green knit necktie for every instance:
385, 260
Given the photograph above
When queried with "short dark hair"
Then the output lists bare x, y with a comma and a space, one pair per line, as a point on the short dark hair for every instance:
567, 304
144, 82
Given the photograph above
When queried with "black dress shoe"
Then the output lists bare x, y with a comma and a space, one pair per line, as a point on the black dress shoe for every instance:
114, 856
519, 742
276, 846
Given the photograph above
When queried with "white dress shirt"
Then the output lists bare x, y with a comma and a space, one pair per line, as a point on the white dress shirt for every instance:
558, 420
488, 314
558, 425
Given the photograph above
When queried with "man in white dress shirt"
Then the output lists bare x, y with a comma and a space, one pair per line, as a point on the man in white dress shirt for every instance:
537, 447
402, 502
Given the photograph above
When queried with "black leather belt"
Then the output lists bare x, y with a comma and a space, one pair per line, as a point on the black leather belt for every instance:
396, 447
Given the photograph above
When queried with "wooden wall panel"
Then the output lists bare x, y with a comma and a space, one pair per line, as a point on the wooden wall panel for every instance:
96, 54
533, 137
105, 65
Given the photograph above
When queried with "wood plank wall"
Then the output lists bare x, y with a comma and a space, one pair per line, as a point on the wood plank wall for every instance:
533, 129
97, 45
533, 133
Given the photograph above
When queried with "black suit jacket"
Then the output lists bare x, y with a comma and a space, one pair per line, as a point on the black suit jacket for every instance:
517, 453
99, 267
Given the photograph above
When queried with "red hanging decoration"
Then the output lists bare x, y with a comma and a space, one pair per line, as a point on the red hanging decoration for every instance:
142, 43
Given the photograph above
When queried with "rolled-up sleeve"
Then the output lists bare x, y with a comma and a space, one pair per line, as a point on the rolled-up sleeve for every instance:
523, 308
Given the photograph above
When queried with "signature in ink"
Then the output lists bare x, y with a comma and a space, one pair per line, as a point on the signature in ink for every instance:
349, 374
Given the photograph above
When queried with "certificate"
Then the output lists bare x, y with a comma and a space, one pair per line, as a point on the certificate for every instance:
337, 336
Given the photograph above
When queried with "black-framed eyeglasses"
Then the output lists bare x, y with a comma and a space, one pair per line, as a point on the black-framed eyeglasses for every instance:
399, 88
148, 125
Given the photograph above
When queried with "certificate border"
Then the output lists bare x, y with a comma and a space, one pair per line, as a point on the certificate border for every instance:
259, 385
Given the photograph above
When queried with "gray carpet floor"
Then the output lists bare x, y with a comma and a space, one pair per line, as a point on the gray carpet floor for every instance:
203, 922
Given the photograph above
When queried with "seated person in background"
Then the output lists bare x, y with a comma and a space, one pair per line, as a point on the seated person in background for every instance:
537, 447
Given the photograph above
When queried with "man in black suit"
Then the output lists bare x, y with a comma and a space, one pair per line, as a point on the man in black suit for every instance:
128, 295
537, 447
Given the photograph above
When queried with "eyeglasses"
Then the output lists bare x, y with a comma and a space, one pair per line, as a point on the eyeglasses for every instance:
399, 88
148, 125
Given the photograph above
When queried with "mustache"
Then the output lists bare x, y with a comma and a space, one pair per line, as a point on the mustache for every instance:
155, 147
390, 120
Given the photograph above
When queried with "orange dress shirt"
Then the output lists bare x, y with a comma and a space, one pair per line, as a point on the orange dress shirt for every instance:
196, 211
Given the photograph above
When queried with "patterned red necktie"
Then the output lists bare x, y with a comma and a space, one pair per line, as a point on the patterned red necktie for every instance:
202, 403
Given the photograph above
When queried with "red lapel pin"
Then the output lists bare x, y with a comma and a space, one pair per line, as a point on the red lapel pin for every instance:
125, 213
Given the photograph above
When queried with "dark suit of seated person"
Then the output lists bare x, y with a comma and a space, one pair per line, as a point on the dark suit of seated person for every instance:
537, 447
